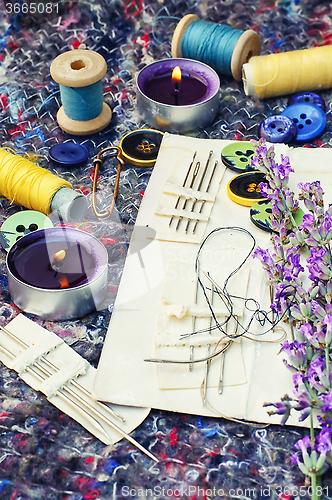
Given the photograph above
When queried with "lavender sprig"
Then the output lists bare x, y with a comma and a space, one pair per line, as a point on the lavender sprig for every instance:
301, 254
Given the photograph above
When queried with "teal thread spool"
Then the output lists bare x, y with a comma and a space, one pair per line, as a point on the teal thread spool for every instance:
79, 73
223, 48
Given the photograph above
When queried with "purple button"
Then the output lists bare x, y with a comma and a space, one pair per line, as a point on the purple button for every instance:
277, 128
68, 153
310, 120
307, 98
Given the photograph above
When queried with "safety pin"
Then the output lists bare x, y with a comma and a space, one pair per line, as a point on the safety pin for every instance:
207, 190
115, 151
84, 412
199, 187
183, 185
195, 173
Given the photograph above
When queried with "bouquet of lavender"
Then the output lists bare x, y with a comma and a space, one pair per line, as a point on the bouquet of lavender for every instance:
299, 267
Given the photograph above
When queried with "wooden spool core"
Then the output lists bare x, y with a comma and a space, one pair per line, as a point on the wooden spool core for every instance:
248, 45
80, 68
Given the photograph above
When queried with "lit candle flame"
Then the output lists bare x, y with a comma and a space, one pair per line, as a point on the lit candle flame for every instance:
176, 74
59, 256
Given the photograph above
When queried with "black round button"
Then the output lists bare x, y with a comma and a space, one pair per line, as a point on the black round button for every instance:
278, 128
307, 97
68, 153
237, 156
244, 188
141, 147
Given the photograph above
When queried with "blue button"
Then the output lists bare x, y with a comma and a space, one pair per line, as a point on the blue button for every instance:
277, 128
308, 98
68, 153
310, 120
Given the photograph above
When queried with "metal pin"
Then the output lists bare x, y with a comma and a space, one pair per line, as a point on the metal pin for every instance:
195, 173
72, 381
199, 187
83, 411
183, 185
60, 394
207, 190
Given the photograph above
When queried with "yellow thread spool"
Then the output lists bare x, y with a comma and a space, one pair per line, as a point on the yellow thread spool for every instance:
288, 72
24, 183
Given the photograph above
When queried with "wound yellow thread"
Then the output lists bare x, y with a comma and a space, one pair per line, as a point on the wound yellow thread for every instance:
288, 72
24, 183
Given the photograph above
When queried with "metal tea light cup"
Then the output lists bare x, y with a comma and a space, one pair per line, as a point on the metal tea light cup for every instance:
182, 118
62, 303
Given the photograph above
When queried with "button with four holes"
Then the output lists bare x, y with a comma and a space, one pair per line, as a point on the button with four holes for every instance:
68, 153
141, 147
307, 98
310, 120
278, 128
244, 188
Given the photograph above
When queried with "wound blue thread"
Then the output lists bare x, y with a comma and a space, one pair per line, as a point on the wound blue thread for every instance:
212, 44
82, 103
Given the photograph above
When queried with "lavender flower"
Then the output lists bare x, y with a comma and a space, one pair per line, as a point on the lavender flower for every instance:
305, 301
312, 462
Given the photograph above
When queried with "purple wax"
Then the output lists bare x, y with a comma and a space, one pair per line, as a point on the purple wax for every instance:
161, 88
34, 264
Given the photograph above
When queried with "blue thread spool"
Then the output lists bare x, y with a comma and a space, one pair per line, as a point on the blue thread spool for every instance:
223, 48
79, 73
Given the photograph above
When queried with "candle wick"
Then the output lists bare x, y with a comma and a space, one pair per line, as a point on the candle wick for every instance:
57, 260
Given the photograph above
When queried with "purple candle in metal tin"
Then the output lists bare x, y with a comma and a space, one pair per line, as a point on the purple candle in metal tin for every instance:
57, 273
53, 265
178, 103
176, 88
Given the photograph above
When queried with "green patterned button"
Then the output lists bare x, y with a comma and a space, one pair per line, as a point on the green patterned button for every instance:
22, 223
260, 215
237, 156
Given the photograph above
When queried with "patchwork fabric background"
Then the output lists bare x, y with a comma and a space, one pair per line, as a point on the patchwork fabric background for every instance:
45, 455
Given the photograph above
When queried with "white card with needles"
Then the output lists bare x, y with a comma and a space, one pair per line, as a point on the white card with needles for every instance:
48, 364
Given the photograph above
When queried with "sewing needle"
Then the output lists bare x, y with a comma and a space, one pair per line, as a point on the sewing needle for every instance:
207, 365
222, 363
183, 185
199, 188
195, 173
191, 354
207, 190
